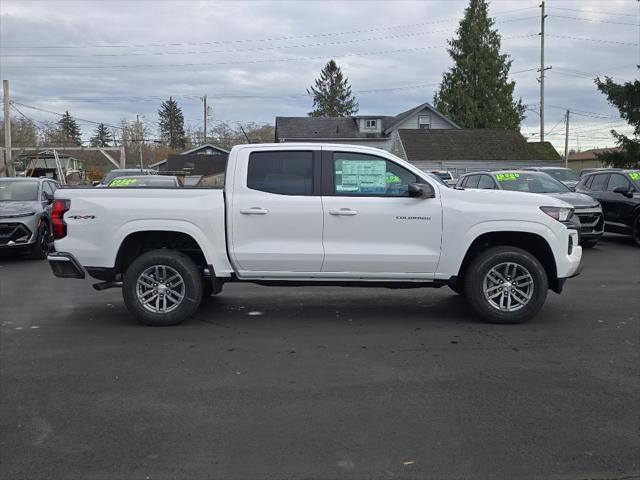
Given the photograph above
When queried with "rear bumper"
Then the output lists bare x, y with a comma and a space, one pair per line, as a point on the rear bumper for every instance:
65, 265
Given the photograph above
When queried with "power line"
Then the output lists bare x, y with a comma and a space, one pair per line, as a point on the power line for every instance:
242, 62
585, 39
62, 115
241, 50
594, 20
594, 11
268, 39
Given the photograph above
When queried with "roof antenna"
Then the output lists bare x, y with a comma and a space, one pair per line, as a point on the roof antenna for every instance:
245, 134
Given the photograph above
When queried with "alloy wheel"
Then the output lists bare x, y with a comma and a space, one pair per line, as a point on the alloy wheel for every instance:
160, 289
508, 287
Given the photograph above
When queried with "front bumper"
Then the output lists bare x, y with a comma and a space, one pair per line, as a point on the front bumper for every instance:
15, 235
65, 265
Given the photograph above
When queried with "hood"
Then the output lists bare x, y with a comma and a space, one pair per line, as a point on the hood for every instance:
18, 209
575, 199
501, 197
570, 183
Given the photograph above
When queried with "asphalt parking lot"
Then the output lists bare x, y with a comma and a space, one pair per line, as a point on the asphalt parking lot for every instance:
321, 383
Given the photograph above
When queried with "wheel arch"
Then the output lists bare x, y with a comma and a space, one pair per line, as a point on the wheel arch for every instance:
528, 241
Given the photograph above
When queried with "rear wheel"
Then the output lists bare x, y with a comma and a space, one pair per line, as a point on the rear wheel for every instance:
162, 288
506, 285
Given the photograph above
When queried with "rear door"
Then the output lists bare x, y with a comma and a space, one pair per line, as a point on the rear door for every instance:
371, 225
276, 212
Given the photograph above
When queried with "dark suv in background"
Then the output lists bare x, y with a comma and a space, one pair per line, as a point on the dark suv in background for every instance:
619, 194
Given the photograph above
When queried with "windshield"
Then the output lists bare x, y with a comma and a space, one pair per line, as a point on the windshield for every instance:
533, 182
563, 175
120, 173
144, 181
438, 179
18, 191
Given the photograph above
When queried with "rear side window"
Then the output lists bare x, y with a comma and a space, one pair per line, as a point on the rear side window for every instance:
486, 182
285, 173
472, 181
599, 181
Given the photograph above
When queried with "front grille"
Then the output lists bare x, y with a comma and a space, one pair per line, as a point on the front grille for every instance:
10, 232
591, 220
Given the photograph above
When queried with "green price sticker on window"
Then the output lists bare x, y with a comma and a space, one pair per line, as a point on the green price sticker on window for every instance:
506, 177
393, 179
123, 182
635, 176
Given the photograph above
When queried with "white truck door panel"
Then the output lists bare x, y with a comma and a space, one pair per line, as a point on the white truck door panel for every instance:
371, 224
276, 220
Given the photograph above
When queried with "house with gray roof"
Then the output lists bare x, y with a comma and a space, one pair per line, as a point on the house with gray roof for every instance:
370, 130
474, 149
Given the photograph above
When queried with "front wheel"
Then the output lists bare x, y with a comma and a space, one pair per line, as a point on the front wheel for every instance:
162, 288
635, 230
506, 285
40, 249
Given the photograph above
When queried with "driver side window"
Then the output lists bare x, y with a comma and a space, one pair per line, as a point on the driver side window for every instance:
363, 175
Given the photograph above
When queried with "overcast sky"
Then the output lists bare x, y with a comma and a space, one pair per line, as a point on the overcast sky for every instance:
254, 59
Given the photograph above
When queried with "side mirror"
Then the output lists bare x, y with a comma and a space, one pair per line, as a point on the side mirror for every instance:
421, 190
624, 191
49, 197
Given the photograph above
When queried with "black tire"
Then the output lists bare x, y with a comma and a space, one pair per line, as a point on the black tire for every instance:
635, 230
589, 243
192, 292
496, 256
41, 248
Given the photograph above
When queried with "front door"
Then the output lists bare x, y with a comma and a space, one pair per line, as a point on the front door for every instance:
276, 214
371, 225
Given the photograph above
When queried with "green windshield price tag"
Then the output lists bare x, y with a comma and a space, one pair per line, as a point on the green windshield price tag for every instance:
505, 177
123, 182
635, 176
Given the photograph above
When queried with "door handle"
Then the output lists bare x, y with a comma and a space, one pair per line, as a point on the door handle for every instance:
347, 212
254, 211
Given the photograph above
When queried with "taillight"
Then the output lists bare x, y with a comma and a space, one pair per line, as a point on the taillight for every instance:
59, 226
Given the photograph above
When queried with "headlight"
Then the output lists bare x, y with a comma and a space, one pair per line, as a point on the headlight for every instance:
561, 214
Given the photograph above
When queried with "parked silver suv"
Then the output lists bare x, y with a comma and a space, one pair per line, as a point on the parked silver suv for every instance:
25, 215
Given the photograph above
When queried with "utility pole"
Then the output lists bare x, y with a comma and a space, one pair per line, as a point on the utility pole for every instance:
542, 69
138, 130
566, 141
205, 118
8, 164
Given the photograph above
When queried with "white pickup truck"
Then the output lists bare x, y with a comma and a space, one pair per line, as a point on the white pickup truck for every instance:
315, 214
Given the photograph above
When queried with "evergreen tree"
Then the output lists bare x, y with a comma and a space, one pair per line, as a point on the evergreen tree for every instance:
626, 98
69, 130
332, 95
102, 137
172, 124
476, 92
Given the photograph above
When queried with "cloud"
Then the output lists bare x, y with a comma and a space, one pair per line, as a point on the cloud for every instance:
242, 54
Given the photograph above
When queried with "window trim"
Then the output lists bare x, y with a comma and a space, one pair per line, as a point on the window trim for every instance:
371, 127
328, 177
316, 172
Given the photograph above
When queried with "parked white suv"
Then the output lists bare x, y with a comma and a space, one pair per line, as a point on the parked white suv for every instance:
316, 214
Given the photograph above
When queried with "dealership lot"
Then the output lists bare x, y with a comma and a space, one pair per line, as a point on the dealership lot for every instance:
321, 383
